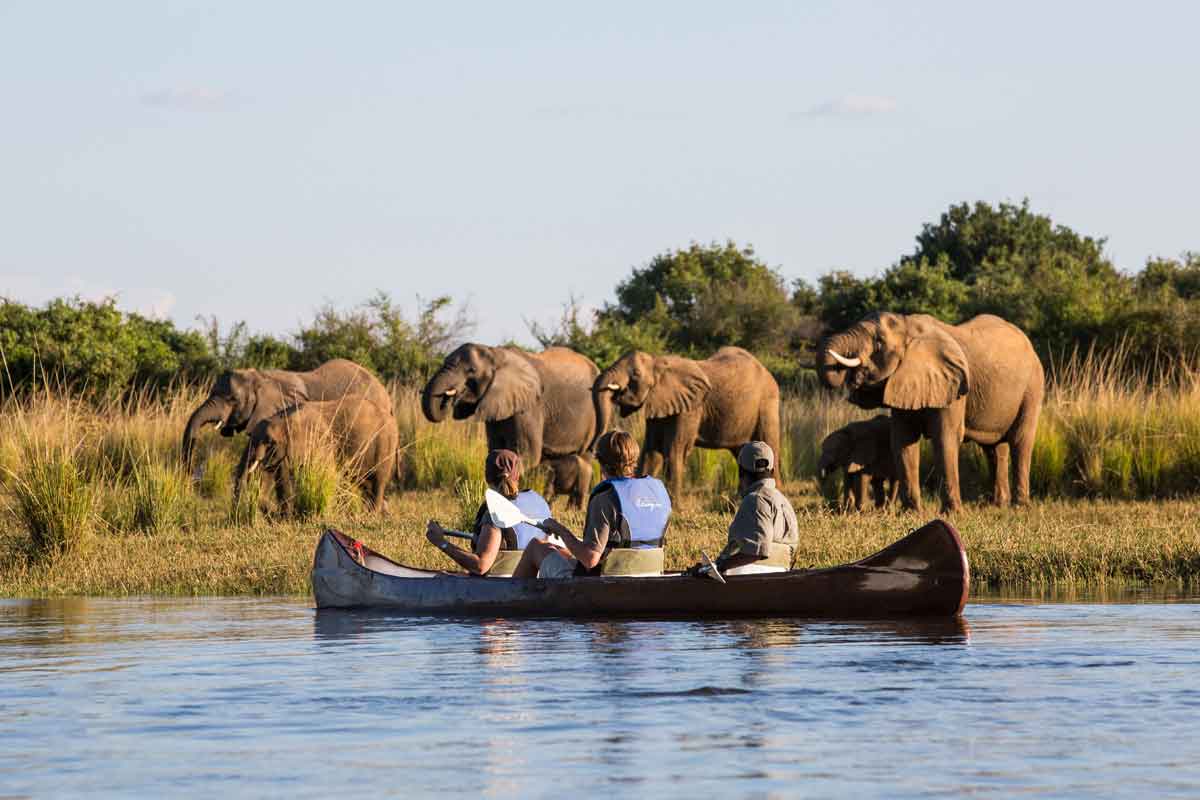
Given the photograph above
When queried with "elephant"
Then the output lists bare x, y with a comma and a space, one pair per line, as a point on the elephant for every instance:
241, 398
569, 476
979, 381
537, 404
363, 437
864, 451
719, 403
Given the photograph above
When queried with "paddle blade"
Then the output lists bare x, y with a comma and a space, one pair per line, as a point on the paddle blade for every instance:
502, 511
712, 570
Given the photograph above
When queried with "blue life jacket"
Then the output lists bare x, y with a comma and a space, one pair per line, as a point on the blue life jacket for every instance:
646, 508
517, 537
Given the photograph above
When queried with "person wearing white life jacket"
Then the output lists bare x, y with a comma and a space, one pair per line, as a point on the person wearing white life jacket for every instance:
764, 533
625, 512
502, 471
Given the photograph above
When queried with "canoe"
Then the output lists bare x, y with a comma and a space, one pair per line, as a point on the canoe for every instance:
925, 574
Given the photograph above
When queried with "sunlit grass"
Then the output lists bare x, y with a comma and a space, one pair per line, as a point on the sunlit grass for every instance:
85, 486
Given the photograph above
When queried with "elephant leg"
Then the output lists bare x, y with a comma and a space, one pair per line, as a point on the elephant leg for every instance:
1023, 437
877, 490
860, 491
285, 491
893, 491
946, 440
686, 429
651, 462
582, 482
906, 451
998, 455
767, 431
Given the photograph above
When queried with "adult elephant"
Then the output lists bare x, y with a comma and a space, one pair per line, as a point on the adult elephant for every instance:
537, 404
241, 398
980, 381
719, 403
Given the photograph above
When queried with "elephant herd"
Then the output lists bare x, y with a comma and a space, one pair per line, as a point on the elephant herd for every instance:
980, 381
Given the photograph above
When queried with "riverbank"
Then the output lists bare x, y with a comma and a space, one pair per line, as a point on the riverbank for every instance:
1052, 542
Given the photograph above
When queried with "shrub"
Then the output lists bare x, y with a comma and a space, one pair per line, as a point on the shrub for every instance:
160, 496
315, 482
54, 498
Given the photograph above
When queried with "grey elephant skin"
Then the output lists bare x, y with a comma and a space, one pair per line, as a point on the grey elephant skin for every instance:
242, 398
980, 381
361, 436
719, 403
536, 404
863, 451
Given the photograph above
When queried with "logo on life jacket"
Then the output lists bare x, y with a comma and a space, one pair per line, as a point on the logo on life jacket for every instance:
645, 502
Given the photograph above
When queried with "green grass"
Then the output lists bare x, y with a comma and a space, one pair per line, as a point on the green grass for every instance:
1059, 543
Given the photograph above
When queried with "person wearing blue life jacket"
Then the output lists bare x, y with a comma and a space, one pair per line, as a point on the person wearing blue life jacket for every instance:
624, 512
502, 471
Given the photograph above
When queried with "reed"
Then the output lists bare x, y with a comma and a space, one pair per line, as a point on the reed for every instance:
160, 496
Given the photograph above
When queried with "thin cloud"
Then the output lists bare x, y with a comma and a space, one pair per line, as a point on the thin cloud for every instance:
189, 98
852, 105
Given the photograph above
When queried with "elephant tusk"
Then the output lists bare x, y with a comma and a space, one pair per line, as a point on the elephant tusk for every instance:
613, 387
450, 392
845, 362
219, 424
253, 466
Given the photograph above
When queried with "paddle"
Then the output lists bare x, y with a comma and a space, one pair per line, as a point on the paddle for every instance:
505, 514
710, 569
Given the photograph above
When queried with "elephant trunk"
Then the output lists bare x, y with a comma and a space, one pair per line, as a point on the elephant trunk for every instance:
212, 411
836, 356
435, 404
239, 478
604, 401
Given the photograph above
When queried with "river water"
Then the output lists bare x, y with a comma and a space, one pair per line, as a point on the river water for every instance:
267, 697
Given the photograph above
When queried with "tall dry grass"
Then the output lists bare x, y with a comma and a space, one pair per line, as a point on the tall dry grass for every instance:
70, 471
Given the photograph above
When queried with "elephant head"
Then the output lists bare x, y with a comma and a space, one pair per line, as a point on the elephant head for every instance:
267, 448
492, 383
663, 385
239, 399
898, 361
845, 448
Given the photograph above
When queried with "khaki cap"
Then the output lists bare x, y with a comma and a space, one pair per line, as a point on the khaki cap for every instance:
756, 457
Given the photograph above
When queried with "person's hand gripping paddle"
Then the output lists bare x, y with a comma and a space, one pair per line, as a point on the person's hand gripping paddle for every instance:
504, 514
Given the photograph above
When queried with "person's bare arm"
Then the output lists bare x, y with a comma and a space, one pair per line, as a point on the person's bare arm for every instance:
475, 563
587, 555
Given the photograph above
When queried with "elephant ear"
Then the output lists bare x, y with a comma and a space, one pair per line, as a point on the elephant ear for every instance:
273, 396
515, 387
679, 385
933, 373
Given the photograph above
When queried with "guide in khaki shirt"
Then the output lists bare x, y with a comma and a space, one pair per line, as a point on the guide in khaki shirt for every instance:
764, 534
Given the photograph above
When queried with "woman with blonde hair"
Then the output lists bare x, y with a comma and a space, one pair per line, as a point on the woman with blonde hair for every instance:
502, 471
625, 512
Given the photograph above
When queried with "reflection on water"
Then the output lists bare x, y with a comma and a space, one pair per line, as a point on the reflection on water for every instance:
261, 696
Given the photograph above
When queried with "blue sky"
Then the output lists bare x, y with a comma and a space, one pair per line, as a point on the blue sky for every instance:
254, 160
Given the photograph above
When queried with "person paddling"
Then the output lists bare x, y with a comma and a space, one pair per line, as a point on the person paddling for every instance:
764, 534
502, 471
624, 513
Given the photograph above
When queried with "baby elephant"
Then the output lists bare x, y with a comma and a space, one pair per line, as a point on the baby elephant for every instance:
572, 476
864, 450
362, 436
